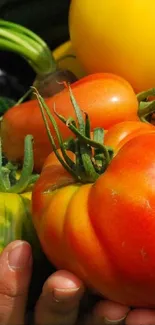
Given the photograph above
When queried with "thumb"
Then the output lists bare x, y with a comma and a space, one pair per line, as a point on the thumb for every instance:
15, 274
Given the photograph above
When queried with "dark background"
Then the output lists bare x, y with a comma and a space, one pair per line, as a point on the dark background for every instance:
47, 18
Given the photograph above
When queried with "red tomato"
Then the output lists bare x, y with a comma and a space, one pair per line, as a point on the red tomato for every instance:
108, 99
122, 132
104, 232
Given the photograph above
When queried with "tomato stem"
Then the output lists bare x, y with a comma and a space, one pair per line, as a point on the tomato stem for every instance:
146, 109
18, 39
8, 181
25, 96
78, 112
84, 139
91, 156
66, 162
144, 95
146, 106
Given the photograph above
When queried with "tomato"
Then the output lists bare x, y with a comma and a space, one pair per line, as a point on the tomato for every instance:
104, 231
122, 132
117, 37
107, 98
125, 194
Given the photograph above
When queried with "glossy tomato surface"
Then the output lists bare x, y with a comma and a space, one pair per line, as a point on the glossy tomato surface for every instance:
121, 208
107, 98
115, 36
104, 232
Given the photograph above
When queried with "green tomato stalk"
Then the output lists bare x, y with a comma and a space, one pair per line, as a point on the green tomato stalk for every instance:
8, 181
15, 201
20, 40
92, 157
146, 108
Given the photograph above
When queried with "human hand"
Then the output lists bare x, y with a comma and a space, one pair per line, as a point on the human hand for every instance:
59, 301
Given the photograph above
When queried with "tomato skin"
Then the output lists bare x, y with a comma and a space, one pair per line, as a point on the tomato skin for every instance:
53, 176
122, 132
126, 195
108, 99
104, 232
111, 36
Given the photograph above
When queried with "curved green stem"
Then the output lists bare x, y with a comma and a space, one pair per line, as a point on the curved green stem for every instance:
77, 112
145, 110
27, 168
146, 107
143, 96
22, 29
84, 138
28, 93
33, 179
31, 47
85, 167
91, 174
6, 178
83, 133
21, 40
99, 157
8, 181
52, 120
65, 164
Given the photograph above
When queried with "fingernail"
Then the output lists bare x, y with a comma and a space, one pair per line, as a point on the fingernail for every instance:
114, 322
60, 295
20, 256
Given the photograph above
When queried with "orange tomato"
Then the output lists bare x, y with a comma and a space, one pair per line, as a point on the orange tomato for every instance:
108, 99
104, 231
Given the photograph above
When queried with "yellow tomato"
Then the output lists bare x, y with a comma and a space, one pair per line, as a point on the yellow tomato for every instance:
115, 36
65, 55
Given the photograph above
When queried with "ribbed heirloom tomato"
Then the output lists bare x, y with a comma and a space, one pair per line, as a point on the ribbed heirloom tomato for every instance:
94, 210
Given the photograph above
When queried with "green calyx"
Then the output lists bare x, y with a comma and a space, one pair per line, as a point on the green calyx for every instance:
18, 39
8, 179
91, 156
146, 106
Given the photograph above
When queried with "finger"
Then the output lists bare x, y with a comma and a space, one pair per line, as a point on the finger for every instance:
108, 313
141, 317
15, 273
59, 301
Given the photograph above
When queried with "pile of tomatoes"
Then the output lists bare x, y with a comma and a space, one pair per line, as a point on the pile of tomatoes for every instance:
103, 231
93, 204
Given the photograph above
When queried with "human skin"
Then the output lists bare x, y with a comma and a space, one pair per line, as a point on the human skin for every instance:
60, 297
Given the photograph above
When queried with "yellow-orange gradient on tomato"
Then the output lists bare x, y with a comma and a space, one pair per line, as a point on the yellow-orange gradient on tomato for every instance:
115, 36
104, 232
